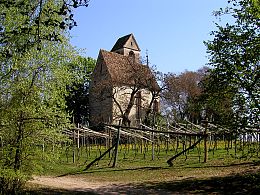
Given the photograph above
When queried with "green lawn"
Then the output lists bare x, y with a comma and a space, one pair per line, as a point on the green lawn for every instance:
223, 169
136, 159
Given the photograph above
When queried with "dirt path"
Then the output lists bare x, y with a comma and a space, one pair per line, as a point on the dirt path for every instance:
67, 182
236, 179
79, 185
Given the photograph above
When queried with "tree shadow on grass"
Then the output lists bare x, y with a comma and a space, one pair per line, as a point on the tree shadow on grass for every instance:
152, 168
49, 191
228, 165
106, 169
247, 182
103, 170
244, 183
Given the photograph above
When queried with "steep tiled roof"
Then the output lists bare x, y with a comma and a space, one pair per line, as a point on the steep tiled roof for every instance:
125, 70
121, 42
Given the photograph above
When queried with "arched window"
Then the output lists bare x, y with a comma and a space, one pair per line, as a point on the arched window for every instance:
131, 56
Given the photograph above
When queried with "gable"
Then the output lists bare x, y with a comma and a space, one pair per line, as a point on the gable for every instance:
127, 41
100, 71
132, 44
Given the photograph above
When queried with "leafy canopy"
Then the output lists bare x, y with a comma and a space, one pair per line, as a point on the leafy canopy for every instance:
234, 54
34, 58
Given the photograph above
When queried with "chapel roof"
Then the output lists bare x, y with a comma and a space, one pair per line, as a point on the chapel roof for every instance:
124, 70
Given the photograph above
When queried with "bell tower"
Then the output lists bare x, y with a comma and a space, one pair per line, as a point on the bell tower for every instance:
127, 46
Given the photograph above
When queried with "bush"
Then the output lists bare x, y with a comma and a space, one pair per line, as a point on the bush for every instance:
11, 181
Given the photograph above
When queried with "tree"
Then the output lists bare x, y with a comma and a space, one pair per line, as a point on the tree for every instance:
152, 113
78, 99
32, 107
181, 94
34, 53
216, 105
24, 23
234, 54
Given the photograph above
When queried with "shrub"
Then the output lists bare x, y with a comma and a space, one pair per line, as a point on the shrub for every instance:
11, 182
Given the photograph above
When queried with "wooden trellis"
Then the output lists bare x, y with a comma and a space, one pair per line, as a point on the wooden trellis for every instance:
180, 138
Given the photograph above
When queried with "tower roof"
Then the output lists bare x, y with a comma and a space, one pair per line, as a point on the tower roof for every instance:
121, 42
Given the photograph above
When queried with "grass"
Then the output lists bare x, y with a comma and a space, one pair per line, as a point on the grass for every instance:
246, 183
130, 159
223, 172
243, 178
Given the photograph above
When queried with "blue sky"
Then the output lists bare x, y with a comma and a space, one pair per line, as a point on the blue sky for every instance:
172, 31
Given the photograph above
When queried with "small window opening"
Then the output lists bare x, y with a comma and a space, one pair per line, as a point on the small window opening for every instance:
132, 56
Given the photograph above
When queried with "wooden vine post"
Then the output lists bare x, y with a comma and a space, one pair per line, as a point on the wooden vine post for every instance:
205, 141
74, 147
100, 157
117, 144
78, 138
189, 148
152, 145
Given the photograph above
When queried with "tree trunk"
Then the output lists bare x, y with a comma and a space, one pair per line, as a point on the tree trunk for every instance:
149, 110
126, 121
18, 151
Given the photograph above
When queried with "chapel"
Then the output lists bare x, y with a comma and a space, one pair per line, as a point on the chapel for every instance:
122, 88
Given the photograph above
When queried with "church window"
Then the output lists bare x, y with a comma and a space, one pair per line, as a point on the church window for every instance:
131, 54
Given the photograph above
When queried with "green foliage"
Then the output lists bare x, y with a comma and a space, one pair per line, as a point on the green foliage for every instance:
24, 23
11, 181
78, 99
32, 105
217, 104
235, 55
34, 58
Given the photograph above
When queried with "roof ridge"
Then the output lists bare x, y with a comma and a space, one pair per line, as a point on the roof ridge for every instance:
121, 42
120, 55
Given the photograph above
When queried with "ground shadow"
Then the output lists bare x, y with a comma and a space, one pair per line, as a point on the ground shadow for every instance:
228, 165
244, 183
103, 170
48, 191
108, 190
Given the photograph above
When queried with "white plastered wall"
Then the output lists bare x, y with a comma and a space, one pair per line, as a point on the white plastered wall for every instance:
122, 96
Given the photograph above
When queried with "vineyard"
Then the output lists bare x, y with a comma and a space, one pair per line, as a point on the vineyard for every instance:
190, 143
